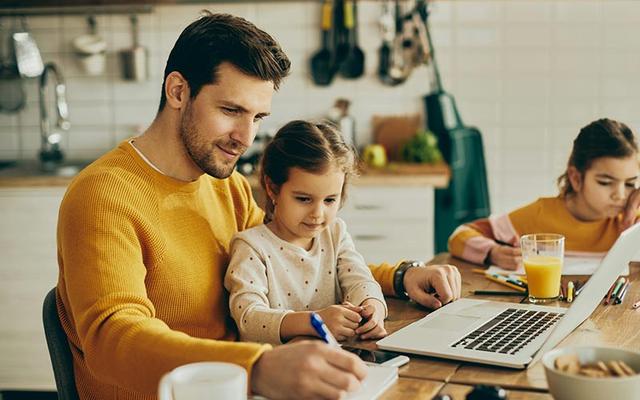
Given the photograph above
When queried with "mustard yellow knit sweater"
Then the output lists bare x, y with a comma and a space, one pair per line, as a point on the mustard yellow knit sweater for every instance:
142, 259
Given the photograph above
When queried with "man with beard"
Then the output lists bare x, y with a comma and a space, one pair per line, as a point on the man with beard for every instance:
144, 232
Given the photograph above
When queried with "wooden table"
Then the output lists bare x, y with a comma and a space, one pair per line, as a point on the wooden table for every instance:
424, 377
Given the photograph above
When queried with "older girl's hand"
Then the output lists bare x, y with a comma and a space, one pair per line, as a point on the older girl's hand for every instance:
630, 214
506, 257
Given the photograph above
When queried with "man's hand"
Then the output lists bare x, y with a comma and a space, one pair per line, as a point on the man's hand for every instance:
630, 213
373, 312
433, 285
506, 257
307, 370
341, 320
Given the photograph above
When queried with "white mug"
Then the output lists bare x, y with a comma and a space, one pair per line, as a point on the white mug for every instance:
203, 381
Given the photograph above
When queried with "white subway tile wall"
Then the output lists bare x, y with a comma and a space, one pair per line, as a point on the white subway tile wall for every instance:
528, 73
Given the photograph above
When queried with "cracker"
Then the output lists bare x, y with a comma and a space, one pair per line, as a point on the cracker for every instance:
592, 372
568, 363
604, 368
617, 369
626, 368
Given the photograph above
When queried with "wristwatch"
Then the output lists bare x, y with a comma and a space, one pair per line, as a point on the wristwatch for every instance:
398, 277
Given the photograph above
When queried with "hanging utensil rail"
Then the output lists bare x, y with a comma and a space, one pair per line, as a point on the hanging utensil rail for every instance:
76, 10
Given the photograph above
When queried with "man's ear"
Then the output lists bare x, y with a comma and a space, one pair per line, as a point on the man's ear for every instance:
575, 178
176, 89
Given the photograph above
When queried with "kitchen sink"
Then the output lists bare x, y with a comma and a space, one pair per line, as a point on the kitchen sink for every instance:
30, 168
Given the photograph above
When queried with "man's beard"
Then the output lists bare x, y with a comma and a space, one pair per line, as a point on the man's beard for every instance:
201, 153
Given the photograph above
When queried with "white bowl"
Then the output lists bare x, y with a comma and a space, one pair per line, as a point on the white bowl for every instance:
566, 386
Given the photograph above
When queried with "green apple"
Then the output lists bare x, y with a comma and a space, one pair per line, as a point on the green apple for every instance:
375, 155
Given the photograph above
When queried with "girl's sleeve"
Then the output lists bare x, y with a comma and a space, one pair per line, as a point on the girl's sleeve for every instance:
473, 241
247, 282
355, 278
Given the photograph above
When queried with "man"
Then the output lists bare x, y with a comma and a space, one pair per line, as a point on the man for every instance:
144, 231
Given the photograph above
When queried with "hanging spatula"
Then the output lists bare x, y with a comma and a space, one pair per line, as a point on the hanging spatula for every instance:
322, 63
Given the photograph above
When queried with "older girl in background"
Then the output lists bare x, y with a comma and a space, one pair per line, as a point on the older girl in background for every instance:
598, 200
303, 259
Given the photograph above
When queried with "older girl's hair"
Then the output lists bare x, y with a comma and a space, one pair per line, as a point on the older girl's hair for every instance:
312, 146
601, 138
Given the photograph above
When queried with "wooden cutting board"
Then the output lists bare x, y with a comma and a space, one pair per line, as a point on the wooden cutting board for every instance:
393, 131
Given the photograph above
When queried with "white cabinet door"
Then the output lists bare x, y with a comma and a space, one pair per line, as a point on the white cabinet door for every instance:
28, 270
390, 223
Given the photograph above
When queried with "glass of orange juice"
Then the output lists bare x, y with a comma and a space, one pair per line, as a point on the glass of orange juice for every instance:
542, 255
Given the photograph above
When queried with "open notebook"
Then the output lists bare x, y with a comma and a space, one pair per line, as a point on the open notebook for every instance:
572, 266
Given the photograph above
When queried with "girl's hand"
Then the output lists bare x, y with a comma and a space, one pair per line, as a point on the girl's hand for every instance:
631, 212
373, 312
341, 321
506, 257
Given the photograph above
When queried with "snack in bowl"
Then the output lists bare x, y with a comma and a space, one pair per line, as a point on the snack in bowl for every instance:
579, 373
599, 369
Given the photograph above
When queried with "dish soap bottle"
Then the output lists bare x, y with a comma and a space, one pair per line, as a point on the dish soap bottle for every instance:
339, 115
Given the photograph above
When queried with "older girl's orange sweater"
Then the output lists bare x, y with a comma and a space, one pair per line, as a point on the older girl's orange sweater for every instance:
474, 240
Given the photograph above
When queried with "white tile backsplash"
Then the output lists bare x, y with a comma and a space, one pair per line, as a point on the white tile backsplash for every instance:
587, 12
529, 11
527, 73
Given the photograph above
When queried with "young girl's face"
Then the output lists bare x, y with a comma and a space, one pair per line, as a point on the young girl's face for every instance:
606, 185
306, 204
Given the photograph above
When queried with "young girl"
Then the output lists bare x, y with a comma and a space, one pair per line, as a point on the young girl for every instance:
601, 175
303, 259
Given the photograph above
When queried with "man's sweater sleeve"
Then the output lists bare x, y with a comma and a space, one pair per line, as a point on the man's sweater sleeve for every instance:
124, 342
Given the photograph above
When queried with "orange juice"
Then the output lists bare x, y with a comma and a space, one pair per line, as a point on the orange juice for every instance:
543, 276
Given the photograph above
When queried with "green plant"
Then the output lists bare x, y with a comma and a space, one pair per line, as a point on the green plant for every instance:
422, 148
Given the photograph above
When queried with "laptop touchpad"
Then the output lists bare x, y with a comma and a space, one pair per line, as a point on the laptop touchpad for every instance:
449, 322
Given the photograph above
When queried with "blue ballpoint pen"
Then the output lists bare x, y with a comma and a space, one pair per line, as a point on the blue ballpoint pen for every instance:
322, 330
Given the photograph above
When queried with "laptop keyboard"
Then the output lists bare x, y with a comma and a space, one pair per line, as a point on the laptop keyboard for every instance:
509, 332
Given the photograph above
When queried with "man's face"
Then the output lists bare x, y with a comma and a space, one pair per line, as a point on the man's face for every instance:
307, 203
607, 185
220, 123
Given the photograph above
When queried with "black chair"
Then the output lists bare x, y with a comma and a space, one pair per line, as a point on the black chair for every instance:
59, 350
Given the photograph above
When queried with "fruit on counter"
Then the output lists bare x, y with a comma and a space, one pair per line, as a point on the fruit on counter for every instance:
422, 148
375, 155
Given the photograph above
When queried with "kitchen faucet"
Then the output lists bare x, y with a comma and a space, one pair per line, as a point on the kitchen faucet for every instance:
50, 154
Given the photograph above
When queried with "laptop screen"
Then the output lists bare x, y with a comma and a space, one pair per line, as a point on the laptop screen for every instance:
618, 257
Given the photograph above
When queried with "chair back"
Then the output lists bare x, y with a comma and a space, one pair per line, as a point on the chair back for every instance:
59, 350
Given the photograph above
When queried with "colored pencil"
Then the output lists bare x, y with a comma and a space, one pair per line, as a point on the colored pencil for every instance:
620, 297
636, 305
570, 292
613, 290
505, 282
616, 290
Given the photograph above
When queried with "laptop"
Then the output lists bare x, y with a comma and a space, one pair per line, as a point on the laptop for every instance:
507, 334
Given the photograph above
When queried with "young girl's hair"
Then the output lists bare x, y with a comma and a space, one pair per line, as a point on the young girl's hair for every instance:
601, 138
311, 146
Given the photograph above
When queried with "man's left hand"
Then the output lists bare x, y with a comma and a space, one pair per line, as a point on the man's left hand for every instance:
433, 285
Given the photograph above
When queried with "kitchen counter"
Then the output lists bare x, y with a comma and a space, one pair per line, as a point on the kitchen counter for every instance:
395, 174
30, 174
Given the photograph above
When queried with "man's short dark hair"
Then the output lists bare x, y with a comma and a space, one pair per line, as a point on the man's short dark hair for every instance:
216, 38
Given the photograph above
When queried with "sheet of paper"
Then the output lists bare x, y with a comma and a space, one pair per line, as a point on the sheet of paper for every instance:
378, 379
572, 266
